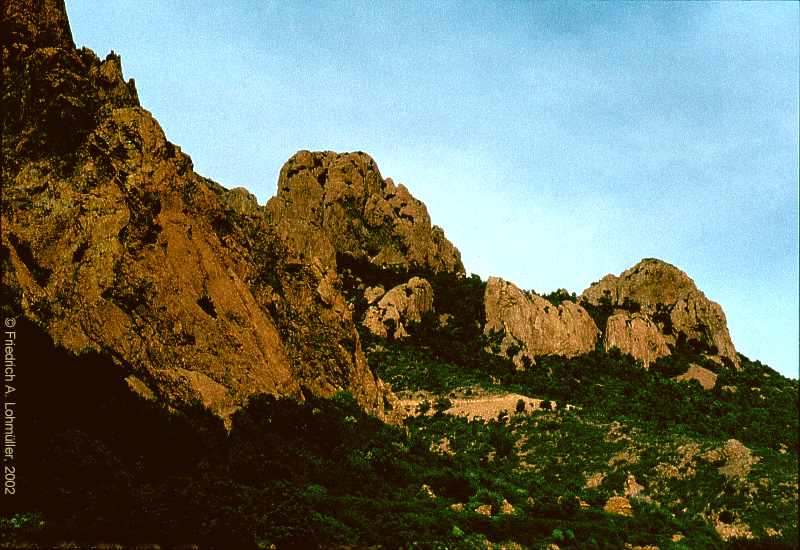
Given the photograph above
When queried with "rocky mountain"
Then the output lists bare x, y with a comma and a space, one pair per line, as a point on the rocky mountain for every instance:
330, 204
113, 244
651, 310
654, 307
198, 370
529, 326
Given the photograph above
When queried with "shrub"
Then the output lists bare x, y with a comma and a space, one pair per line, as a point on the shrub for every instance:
423, 407
442, 404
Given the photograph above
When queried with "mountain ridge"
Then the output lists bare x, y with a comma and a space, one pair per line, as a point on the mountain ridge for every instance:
205, 370
329, 208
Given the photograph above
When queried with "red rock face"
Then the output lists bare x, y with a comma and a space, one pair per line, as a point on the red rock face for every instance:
636, 335
667, 297
399, 309
330, 203
112, 243
531, 326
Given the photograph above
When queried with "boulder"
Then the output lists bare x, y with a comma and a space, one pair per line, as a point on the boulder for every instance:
632, 487
484, 510
399, 309
705, 377
637, 335
618, 505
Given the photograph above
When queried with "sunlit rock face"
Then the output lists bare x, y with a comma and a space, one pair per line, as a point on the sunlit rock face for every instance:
330, 203
113, 244
395, 313
636, 335
529, 326
667, 297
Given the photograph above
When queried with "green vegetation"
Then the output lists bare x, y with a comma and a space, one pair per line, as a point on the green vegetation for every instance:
557, 297
762, 411
323, 474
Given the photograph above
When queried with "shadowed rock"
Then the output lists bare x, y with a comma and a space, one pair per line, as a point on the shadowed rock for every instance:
42, 23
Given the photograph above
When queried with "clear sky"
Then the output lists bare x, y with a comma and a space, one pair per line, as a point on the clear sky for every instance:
554, 143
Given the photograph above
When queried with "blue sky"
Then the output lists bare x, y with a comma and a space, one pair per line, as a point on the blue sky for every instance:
554, 143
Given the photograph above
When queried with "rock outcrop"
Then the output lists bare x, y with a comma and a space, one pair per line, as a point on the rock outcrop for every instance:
40, 24
529, 326
112, 244
637, 335
704, 377
671, 300
330, 204
734, 459
392, 314
618, 505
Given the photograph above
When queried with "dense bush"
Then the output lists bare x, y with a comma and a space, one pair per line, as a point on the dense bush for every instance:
322, 473
762, 410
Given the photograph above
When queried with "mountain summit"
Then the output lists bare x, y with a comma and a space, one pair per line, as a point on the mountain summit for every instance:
656, 294
114, 245
331, 204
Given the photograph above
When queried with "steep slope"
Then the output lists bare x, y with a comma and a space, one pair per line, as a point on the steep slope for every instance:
113, 244
126, 270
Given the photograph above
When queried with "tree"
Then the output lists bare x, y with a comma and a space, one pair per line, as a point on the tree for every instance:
442, 404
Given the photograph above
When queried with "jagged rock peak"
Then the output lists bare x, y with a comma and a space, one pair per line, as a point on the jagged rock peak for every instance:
331, 204
39, 23
670, 298
651, 281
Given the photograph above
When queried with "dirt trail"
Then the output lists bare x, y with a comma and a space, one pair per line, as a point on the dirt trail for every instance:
485, 407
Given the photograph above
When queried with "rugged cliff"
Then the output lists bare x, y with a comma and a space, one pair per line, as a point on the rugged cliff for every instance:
331, 204
668, 298
529, 326
651, 310
113, 244
145, 295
